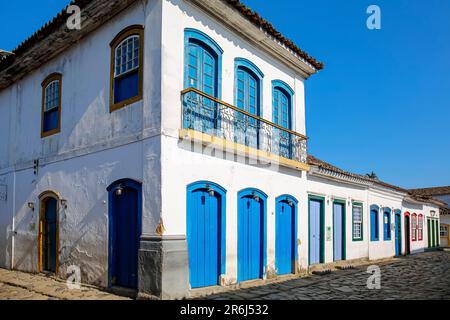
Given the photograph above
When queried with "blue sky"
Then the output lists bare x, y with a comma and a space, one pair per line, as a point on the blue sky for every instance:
381, 104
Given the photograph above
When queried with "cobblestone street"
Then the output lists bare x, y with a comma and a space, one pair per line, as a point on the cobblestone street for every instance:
421, 276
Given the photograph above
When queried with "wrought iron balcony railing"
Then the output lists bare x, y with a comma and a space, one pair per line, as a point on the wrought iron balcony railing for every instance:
206, 114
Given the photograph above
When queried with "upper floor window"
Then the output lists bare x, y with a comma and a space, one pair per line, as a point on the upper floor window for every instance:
374, 223
203, 63
202, 71
414, 227
51, 105
357, 221
282, 96
126, 67
387, 224
420, 227
248, 97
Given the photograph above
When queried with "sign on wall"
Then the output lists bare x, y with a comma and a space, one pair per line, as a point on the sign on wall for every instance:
3, 192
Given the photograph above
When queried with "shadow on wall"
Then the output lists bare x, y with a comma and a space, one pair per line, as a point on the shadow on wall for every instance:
195, 147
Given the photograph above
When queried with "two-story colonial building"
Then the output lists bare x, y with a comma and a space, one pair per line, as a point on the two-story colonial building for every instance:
162, 147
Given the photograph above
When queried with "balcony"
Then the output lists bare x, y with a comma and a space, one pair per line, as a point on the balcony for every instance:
210, 120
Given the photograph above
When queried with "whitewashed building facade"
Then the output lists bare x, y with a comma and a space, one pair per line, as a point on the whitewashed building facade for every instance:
162, 147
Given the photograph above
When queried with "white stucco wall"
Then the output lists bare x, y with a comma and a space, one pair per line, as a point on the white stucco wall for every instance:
181, 166
93, 149
333, 190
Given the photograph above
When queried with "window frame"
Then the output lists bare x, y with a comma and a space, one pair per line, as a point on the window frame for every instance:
289, 92
443, 228
358, 204
420, 227
414, 226
134, 30
387, 236
248, 66
45, 84
376, 237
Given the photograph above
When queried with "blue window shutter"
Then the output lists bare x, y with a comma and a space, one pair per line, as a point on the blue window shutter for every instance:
126, 87
51, 119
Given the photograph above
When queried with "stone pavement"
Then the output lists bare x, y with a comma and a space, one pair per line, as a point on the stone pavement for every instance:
16, 285
420, 276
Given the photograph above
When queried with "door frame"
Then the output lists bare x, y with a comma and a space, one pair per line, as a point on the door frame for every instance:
322, 227
128, 183
287, 197
42, 197
407, 232
344, 229
399, 214
223, 193
254, 192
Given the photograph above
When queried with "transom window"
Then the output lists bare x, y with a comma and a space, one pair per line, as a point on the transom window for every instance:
51, 105
126, 67
127, 56
357, 213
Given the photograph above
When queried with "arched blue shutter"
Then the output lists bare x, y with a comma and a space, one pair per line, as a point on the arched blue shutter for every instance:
247, 98
282, 116
202, 75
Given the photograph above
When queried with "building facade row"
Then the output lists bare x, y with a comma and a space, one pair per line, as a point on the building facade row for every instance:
166, 151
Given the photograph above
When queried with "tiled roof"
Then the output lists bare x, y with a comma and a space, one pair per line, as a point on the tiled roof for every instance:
60, 19
435, 191
260, 22
54, 24
325, 165
322, 164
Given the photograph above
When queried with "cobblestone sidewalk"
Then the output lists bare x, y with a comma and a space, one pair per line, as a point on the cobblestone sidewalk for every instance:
16, 285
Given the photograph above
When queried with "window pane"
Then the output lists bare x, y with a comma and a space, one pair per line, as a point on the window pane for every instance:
127, 55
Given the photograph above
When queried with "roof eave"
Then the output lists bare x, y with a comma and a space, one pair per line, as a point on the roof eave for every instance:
235, 21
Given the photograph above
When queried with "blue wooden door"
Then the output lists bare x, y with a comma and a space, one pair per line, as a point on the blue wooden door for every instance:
315, 235
285, 237
338, 234
398, 235
282, 117
374, 232
202, 75
247, 99
125, 238
250, 238
204, 216
50, 246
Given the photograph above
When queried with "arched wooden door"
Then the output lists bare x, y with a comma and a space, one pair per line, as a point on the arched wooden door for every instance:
49, 233
206, 233
251, 234
286, 234
124, 233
